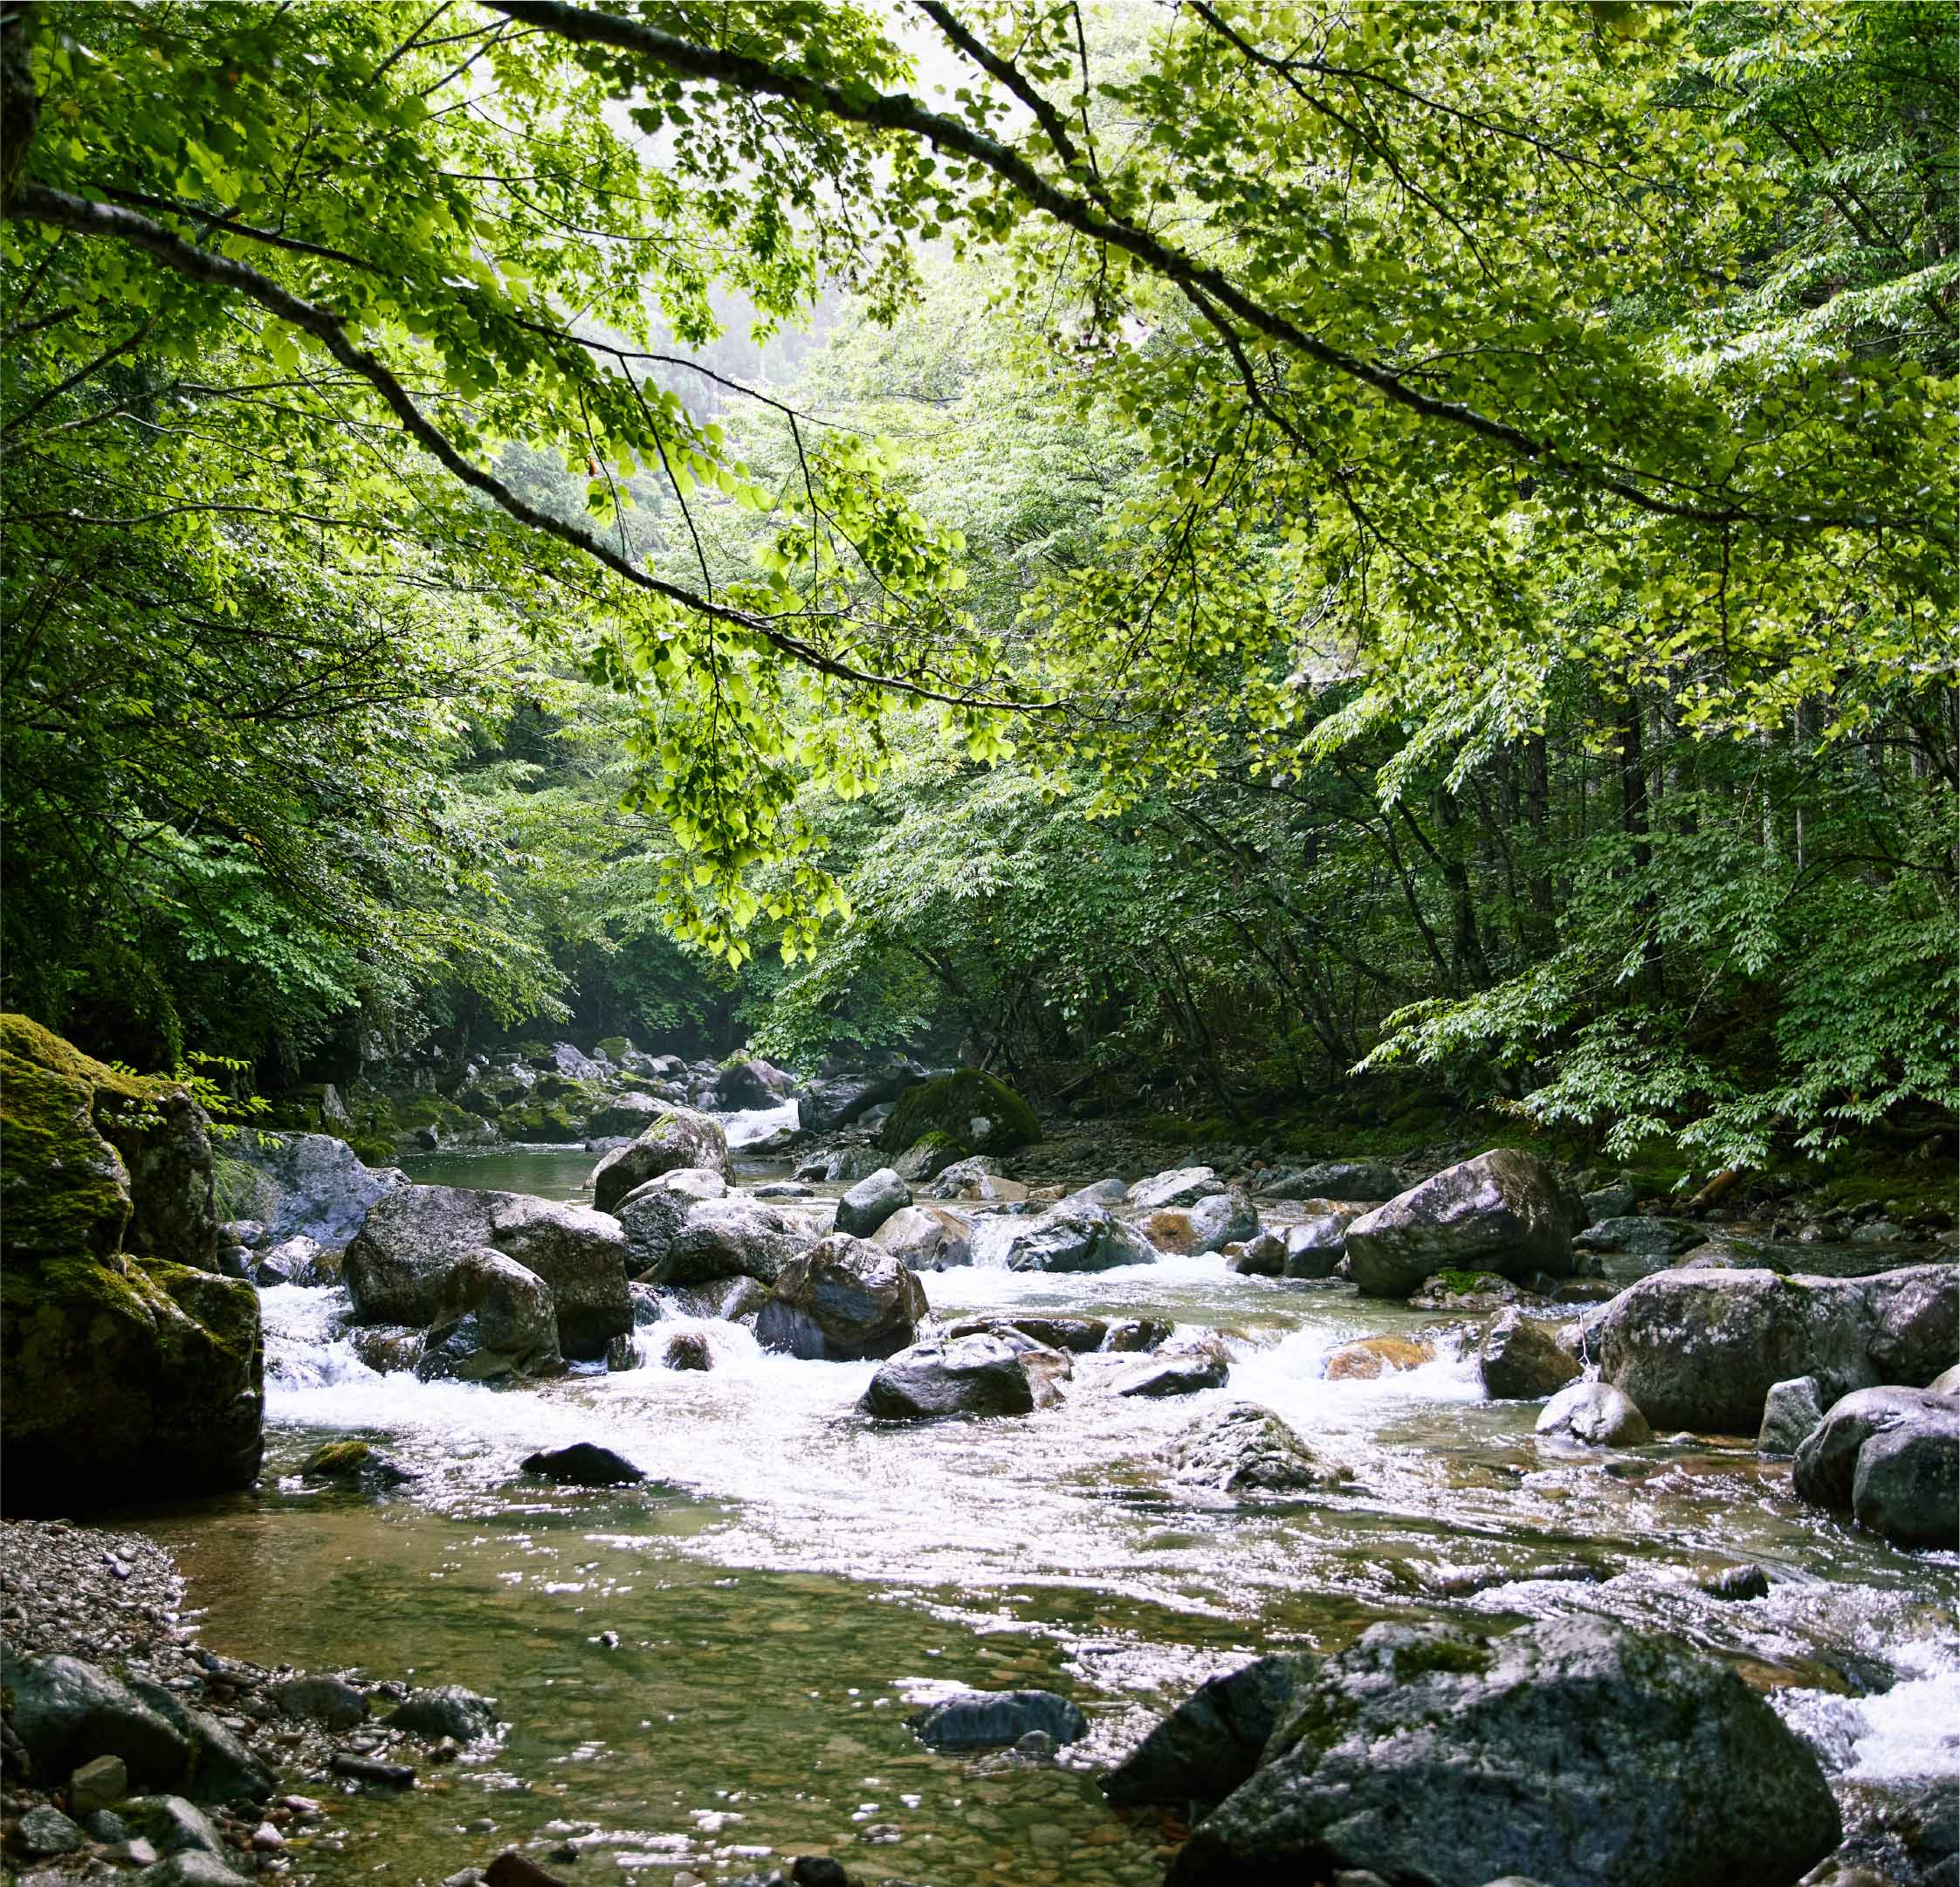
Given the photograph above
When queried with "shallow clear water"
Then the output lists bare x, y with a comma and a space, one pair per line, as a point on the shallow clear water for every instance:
794, 1575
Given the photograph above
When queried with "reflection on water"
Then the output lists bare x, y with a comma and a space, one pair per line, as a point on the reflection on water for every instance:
793, 1572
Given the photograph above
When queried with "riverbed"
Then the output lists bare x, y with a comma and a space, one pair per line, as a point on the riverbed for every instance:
709, 1673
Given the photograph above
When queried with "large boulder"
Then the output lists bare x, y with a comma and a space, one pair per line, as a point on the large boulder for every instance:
977, 1375
678, 1137
581, 1254
842, 1301
494, 1318
1702, 1349
1337, 1179
312, 1186
397, 1269
838, 1099
974, 1112
1207, 1224
871, 1201
1891, 1458
738, 1236
651, 1215
1504, 1211
925, 1238
67, 1713
1075, 1238
1315, 1245
124, 1377
173, 1216
1211, 1743
1576, 1751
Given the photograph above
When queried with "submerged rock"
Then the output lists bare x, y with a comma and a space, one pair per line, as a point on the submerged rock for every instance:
678, 1137
997, 1719
1504, 1211
1578, 1750
1246, 1450
1368, 1357
358, 1462
446, 1710
974, 1375
583, 1464
843, 1300
1211, 1743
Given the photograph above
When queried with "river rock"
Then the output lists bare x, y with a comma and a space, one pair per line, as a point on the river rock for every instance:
975, 1375
843, 1300
925, 1238
836, 1100
871, 1201
1700, 1349
172, 1825
124, 1377
1208, 1224
330, 1701
44, 1830
738, 1237
1595, 1413
1366, 1358
222, 1767
580, 1255
1211, 1743
1646, 1238
1790, 1411
1504, 1211
1315, 1245
650, 1215
1263, 1255
621, 1119
1075, 1238
1078, 1334
1890, 1457
583, 1464
447, 1710
67, 1712
753, 1083
678, 1137
314, 1186
687, 1349
996, 1719
1559, 1751
494, 1317
1520, 1361
292, 1261
1614, 1202
1185, 1186
1182, 1367
1337, 1179
1470, 1293
1243, 1449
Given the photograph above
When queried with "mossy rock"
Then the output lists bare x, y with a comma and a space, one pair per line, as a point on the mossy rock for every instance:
949, 1104
126, 1383
614, 1047
554, 1122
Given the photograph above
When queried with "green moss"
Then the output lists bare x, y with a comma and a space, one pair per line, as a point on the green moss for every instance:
373, 1149
336, 1460
242, 1190
553, 1121
1441, 1654
1461, 1283
949, 1104
612, 1047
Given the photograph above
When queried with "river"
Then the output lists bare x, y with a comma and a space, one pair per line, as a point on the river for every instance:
712, 1671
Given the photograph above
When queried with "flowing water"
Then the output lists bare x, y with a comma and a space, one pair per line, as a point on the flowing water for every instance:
713, 1671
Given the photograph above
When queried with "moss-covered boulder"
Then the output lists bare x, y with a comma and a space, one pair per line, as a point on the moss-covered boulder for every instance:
123, 1377
976, 1111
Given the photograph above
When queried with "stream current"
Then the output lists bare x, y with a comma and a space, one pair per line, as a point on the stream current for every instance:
709, 1673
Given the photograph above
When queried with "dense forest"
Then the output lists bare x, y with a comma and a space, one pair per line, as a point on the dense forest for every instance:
1259, 560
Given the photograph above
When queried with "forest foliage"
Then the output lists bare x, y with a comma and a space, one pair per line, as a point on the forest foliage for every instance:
1182, 550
